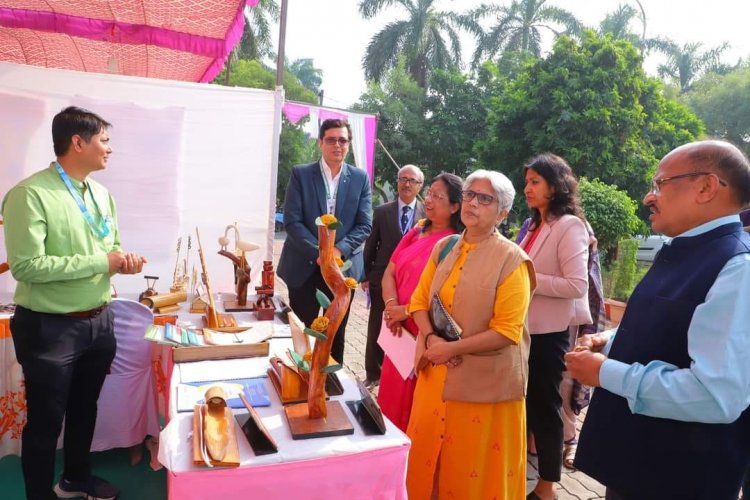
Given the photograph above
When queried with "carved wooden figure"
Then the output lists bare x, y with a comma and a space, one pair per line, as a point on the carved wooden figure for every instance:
329, 268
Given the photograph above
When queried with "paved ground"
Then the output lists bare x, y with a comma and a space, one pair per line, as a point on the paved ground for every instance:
573, 485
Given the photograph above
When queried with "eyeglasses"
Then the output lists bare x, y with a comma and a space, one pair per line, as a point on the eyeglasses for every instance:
483, 199
409, 181
343, 141
656, 183
435, 196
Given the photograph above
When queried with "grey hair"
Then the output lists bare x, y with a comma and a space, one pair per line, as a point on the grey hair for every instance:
420, 174
504, 190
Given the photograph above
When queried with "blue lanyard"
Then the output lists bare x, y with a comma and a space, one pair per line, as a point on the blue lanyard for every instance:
101, 229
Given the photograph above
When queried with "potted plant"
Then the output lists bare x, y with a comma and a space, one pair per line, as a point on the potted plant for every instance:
622, 279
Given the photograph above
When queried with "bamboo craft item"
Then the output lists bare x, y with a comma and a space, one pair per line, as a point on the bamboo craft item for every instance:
213, 319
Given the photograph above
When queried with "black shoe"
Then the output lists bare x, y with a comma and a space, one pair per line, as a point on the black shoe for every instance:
94, 488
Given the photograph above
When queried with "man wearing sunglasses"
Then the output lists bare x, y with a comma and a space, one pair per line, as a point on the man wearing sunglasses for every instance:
390, 222
670, 418
327, 186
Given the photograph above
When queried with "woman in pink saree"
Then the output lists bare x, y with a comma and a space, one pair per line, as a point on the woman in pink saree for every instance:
442, 203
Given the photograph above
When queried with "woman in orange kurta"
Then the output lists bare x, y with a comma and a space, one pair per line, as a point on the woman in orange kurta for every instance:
467, 424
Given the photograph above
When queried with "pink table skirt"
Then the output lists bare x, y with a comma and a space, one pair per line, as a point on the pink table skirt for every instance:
376, 474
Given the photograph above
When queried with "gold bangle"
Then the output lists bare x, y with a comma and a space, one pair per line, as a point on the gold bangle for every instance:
389, 300
406, 311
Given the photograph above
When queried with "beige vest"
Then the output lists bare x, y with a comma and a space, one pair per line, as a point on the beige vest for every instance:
487, 377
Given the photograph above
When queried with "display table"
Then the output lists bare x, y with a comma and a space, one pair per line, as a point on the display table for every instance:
134, 376
354, 466
12, 395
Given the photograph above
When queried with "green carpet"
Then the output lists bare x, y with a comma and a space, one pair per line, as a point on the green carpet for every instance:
136, 482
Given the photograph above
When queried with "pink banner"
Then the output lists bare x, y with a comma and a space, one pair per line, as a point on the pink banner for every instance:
295, 112
327, 114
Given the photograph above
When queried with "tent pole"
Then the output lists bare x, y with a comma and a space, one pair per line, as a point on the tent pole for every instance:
282, 42
278, 103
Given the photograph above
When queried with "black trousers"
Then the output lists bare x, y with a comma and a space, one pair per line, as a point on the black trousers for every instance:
543, 400
373, 352
304, 304
64, 361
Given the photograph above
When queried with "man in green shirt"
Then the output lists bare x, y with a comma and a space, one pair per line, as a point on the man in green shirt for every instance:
63, 245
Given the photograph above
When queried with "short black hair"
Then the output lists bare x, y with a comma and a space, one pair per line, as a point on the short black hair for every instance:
334, 123
75, 121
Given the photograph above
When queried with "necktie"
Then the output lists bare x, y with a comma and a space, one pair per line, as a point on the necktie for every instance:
405, 219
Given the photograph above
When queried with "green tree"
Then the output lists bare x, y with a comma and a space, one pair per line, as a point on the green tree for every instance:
619, 23
455, 115
591, 103
294, 146
426, 37
611, 213
256, 41
686, 63
306, 72
518, 27
723, 103
400, 103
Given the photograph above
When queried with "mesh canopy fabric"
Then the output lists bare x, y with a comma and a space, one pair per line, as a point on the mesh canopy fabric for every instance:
169, 39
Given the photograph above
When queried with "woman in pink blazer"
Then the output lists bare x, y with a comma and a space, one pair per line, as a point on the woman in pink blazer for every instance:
557, 242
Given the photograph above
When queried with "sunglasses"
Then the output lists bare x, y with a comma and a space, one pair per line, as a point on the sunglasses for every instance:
343, 141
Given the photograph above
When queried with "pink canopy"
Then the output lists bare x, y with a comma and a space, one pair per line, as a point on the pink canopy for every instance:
170, 39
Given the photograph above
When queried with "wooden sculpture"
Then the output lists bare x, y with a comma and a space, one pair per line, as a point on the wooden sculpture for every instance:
319, 417
241, 268
212, 319
264, 308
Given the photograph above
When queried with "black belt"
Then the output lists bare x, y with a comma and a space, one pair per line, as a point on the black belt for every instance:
91, 313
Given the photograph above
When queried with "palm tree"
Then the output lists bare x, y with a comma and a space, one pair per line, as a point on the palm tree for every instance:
686, 63
420, 36
618, 24
519, 27
256, 42
309, 76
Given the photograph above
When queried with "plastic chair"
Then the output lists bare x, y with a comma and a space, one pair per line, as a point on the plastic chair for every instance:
127, 404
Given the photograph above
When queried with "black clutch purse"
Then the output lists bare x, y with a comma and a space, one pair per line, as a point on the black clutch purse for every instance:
442, 322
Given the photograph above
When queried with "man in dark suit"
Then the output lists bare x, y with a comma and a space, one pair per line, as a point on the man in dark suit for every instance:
390, 222
326, 186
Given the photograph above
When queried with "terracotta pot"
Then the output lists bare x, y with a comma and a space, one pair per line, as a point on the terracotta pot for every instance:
614, 310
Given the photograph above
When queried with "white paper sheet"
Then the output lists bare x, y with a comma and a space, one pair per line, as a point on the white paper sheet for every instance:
400, 350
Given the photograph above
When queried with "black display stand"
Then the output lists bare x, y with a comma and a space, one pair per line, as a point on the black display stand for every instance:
367, 412
256, 433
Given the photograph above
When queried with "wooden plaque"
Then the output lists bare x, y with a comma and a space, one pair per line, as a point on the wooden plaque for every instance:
336, 423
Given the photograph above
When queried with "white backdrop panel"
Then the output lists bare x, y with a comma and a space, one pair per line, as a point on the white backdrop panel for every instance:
184, 155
